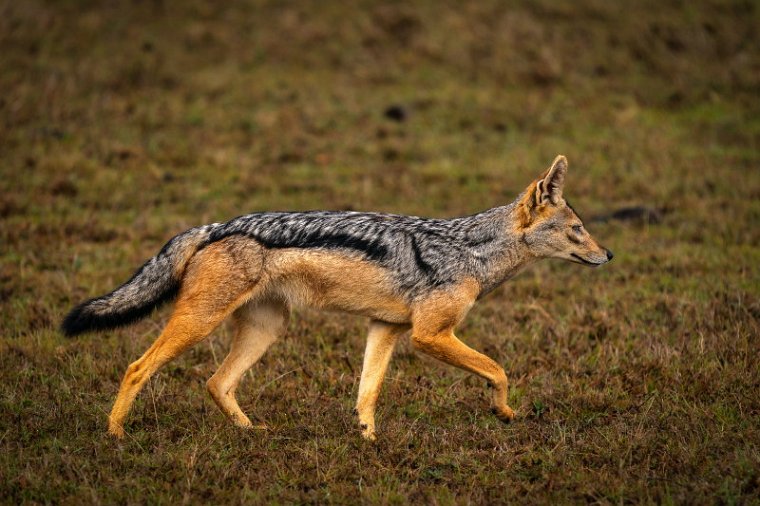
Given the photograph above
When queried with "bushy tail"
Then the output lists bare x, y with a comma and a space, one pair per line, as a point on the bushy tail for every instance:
155, 283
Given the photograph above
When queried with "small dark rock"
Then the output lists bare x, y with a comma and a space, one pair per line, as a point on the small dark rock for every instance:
396, 113
10, 206
390, 154
638, 213
674, 44
64, 188
52, 132
641, 214
676, 98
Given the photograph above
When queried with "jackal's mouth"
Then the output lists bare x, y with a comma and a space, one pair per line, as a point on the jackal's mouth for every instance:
584, 261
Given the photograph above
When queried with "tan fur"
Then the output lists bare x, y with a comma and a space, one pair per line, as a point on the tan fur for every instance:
332, 281
531, 209
526, 207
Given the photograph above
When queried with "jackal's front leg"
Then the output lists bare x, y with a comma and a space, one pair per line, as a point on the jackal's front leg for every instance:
446, 347
433, 333
380, 343
433, 326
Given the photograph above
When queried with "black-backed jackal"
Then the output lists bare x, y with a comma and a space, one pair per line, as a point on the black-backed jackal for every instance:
402, 272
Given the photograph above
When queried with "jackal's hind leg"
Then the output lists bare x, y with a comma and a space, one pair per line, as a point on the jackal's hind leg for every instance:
380, 343
257, 326
216, 282
182, 332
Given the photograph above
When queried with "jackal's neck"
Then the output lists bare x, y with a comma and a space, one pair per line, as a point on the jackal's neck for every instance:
497, 245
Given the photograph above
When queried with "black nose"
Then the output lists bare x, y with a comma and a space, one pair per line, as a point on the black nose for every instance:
609, 255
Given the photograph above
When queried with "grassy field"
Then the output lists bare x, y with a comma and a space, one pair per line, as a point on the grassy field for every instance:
124, 123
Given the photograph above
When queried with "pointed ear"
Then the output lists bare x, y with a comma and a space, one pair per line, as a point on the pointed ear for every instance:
549, 188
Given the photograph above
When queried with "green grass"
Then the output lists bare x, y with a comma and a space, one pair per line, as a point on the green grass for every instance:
124, 124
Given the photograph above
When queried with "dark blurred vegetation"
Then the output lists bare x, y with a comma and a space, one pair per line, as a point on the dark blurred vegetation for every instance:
122, 124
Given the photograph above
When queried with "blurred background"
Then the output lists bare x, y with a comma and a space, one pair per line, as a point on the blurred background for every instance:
124, 123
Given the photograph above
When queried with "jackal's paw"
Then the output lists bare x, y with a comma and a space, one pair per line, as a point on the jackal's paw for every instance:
248, 425
505, 414
368, 432
116, 431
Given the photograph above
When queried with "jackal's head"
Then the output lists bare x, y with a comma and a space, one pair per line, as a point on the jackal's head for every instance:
550, 227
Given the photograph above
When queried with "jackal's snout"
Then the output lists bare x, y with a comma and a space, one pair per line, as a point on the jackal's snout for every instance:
586, 251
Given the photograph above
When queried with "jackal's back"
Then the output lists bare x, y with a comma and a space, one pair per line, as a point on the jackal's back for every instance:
420, 253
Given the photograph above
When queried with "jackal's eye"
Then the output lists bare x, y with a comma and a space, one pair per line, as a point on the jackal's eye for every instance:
577, 229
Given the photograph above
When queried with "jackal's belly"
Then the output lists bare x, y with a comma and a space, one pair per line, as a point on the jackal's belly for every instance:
335, 282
